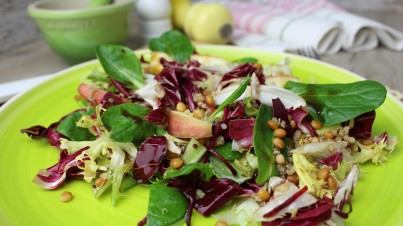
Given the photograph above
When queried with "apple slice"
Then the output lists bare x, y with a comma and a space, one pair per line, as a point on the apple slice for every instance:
92, 94
183, 125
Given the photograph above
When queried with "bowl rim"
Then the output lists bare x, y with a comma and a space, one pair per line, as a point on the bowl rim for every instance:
35, 10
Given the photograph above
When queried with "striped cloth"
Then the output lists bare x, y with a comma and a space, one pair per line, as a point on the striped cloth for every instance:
281, 25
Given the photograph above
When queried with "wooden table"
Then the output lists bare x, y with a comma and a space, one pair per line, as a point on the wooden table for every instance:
382, 65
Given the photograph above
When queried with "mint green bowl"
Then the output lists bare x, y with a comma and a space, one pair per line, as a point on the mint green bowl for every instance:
73, 29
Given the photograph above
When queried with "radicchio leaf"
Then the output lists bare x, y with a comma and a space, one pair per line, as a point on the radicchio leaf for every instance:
50, 132
54, 137
240, 71
120, 87
298, 115
333, 160
188, 186
194, 72
241, 130
280, 112
217, 193
287, 202
177, 86
210, 147
250, 187
321, 212
35, 131
381, 138
157, 116
110, 99
149, 158
346, 188
312, 217
362, 125
55, 175
43, 132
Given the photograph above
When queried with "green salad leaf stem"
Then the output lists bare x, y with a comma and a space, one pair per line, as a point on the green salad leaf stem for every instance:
336, 103
175, 44
235, 95
121, 64
263, 145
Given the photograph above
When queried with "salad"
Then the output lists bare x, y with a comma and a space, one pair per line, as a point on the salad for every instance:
243, 142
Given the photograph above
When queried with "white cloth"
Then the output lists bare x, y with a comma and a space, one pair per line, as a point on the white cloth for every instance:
280, 25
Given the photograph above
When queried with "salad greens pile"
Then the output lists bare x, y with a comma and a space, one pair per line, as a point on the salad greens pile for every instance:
241, 141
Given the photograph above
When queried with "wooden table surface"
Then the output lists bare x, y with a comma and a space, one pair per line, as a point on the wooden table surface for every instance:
383, 65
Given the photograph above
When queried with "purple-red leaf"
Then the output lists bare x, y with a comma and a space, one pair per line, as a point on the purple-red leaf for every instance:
110, 99
195, 74
55, 175
280, 112
362, 125
187, 185
120, 87
217, 193
333, 160
383, 137
286, 202
177, 86
149, 158
241, 130
35, 131
54, 137
43, 132
210, 147
157, 116
241, 71
315, 213
310, 216
299, 117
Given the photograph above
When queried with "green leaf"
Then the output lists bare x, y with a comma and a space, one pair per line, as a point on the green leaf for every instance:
68, 127
205, 169
336, 103
244, 60
127, 124
165, 206
235, 95
121, 64
175, 44
263, 145
227, 152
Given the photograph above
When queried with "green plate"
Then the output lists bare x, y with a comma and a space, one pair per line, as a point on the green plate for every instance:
377, 197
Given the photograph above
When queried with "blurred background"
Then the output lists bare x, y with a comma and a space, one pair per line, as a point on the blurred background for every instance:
17, 27
24, 53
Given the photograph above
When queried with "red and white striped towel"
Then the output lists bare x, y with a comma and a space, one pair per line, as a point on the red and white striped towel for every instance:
290, 24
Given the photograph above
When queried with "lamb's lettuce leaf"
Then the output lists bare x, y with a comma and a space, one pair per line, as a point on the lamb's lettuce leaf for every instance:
336, 103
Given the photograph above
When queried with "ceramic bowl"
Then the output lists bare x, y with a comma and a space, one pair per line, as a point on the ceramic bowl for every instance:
73, 28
